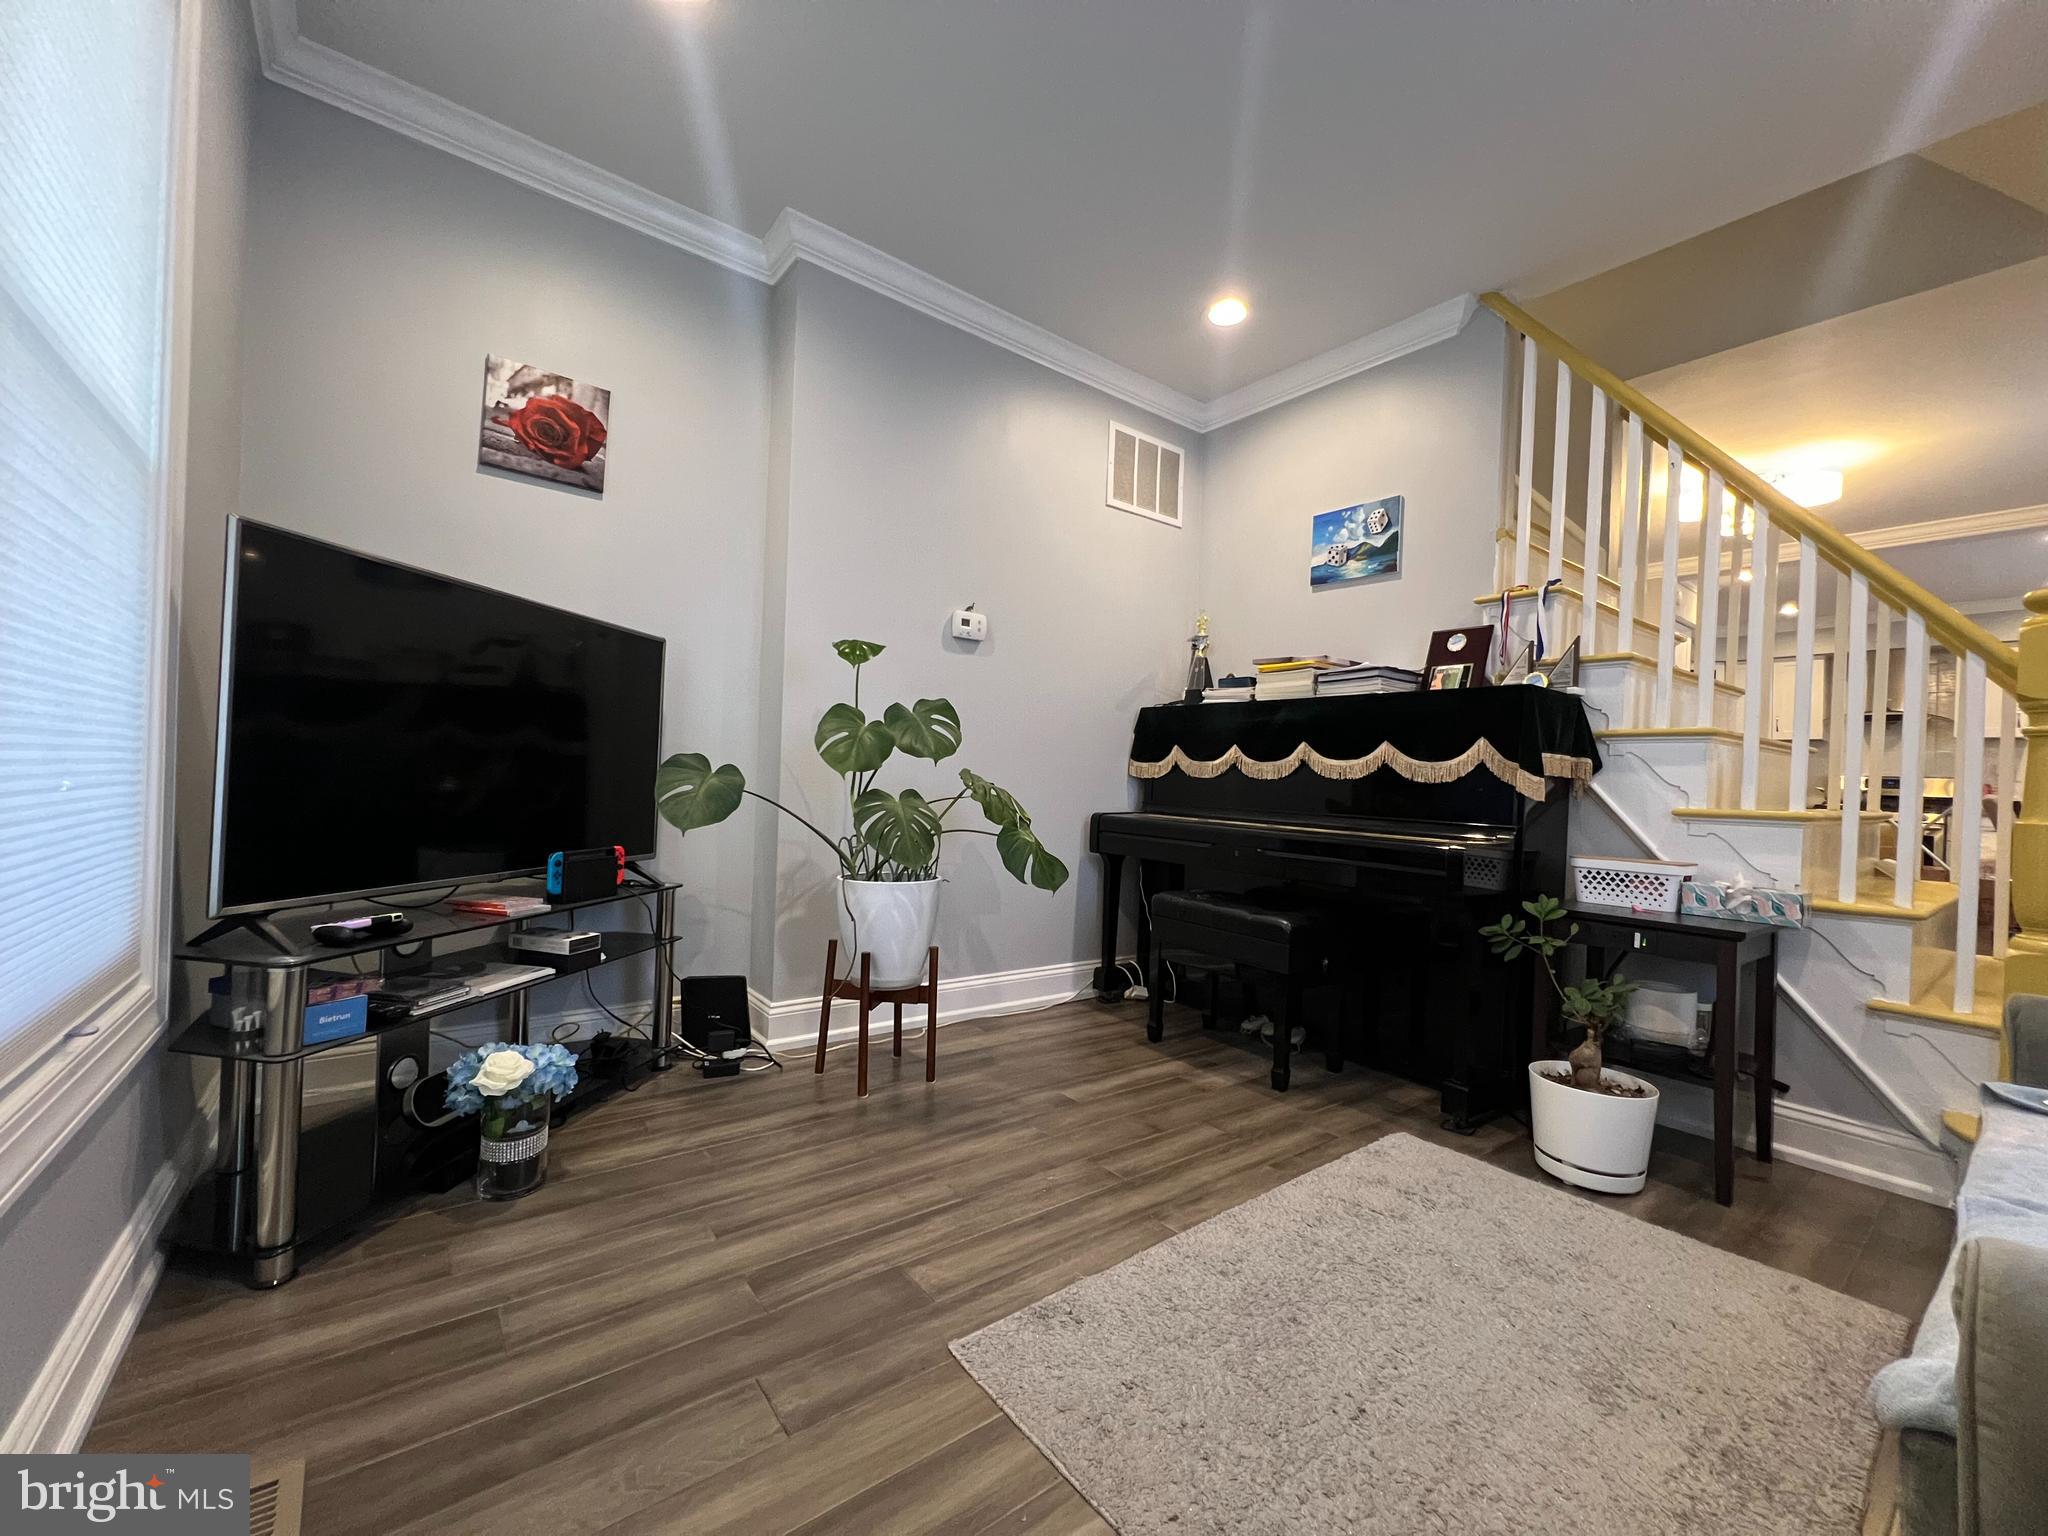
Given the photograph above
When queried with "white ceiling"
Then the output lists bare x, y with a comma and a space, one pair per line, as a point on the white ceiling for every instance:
1931, 406
1101, 168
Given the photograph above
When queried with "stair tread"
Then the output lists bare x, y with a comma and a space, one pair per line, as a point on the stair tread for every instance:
1874, 899
1988, 1013
1729, 813
1681, 732
1962, 1124
1639, 659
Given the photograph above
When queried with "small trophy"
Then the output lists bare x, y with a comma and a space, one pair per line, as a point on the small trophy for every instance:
1199, 678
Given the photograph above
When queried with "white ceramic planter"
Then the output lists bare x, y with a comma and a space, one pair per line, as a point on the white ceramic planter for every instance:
893, 920
1593, 1140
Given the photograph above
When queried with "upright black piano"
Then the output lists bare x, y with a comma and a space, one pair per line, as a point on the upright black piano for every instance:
1428, 814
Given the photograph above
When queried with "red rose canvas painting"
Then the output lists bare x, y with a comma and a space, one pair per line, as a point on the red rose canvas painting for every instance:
544, 424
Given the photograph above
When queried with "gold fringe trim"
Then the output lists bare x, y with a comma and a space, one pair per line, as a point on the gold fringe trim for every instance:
1481, 754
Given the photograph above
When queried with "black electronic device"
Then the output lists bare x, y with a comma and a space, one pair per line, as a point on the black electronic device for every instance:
553, 946
712, 1003
445, 731
352, 930
724, 1053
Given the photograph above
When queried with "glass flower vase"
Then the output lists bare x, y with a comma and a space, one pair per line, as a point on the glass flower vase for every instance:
512, 1149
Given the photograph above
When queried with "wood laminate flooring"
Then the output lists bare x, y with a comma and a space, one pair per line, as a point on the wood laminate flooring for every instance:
728, 1309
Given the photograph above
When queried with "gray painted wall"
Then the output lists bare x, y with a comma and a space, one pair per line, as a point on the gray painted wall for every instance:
380, 274
929, 470
1427, 427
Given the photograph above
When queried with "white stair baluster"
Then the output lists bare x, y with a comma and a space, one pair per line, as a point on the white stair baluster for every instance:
2001, 886
1596, 522
1631, 535
1560, 456
1709, 587
1802, 677
1912, 742
1739, 552
1756, 679
1766, 594
1849, 655
1838, 694
1664, 708
1525, 474
1880, 686
1966, 826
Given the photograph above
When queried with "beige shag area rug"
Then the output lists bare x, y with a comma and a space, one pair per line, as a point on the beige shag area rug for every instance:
1409, 1341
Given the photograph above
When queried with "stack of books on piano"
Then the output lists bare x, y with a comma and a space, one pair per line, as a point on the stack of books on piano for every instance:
1292, 677
1229, 690
1366, 679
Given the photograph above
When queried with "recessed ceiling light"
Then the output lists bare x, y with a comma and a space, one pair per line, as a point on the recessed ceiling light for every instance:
1228, 311
1788, 609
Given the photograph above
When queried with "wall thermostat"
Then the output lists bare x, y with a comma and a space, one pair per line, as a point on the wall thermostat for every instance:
969, 625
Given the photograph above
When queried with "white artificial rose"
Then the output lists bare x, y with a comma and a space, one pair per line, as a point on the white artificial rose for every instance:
501, 1072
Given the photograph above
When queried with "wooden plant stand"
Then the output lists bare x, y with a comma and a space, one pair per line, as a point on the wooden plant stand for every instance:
926, 992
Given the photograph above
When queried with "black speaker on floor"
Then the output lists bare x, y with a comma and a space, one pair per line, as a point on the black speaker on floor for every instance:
715, 1010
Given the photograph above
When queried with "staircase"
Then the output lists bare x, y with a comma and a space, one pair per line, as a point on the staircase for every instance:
1715, 754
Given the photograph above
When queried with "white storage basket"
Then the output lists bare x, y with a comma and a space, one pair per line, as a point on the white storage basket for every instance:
1635, 885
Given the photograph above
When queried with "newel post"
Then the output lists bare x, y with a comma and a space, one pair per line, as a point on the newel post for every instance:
2026, 964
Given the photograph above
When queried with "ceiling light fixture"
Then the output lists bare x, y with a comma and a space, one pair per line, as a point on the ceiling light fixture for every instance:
1814, 486
1228, 311
1788, 610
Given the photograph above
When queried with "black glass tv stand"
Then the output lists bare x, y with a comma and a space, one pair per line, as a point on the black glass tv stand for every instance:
310, 1133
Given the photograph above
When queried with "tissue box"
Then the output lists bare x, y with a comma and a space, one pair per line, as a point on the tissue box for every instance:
1743, 903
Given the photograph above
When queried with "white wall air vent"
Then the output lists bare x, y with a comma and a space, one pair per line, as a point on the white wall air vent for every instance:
1144, 475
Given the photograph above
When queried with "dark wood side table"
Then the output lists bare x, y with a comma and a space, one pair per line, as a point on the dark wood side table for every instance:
1737, 952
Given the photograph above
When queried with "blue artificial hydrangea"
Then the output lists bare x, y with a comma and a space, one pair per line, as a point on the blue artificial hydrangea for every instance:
554, 1068
554, 1071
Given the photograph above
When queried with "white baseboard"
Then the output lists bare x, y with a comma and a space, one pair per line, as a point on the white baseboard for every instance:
66, 1392
1882, 1156
792, 1024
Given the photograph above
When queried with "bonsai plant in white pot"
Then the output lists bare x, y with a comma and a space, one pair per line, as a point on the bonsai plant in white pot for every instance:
888, 858
1591, 1124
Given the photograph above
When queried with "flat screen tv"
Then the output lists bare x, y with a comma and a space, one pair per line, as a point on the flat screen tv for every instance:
385, 729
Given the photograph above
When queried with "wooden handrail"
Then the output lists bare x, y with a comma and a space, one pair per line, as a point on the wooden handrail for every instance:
1957, 631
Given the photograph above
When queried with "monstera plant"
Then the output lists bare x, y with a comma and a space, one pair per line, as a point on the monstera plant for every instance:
893, 838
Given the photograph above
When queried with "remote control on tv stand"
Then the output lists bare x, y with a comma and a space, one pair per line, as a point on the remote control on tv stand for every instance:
353, 930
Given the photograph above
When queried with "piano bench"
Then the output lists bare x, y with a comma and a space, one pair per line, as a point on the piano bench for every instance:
1289, 938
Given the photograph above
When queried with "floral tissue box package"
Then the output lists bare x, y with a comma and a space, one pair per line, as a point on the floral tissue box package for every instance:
1739, 903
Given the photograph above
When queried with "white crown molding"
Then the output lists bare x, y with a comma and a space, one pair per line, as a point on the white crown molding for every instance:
1438, 323
797, 236
1937, 530
1940, 530
326, 75
356, 87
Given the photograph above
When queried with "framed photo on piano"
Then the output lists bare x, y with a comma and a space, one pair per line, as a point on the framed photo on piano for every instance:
1468, 648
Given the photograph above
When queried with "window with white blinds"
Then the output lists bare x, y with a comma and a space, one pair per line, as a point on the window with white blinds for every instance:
85, 165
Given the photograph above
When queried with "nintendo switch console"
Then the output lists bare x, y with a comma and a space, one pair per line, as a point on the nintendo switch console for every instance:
583, 874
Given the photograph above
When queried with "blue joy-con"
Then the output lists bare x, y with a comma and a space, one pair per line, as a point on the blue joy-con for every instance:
554, 874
